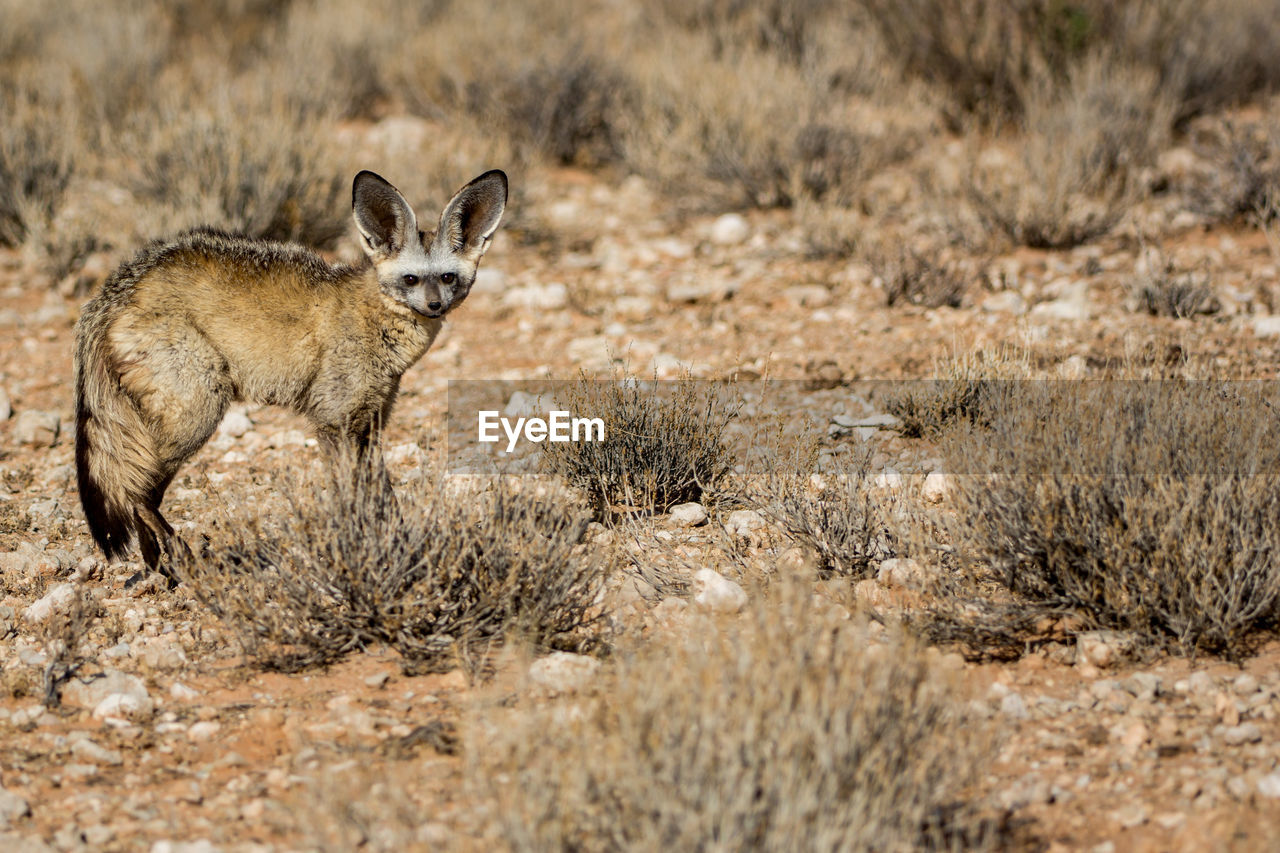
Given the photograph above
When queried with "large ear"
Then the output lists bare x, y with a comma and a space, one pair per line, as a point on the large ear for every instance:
384, 218
471, 216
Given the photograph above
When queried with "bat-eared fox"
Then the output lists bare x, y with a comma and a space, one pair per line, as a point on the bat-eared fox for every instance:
191, 324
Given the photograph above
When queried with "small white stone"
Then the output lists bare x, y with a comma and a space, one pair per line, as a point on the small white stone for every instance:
688, 514
235, 423
6, 409
743, 521
1267, 326
403, 454
901, 572
203, 731
564, 672
182, 692
730, 230
1013, 707
36, 428
889, 479
57, 600
126, 705
937, 487
1005, 302
1241, 734
537, 297
716, 593
1269, 785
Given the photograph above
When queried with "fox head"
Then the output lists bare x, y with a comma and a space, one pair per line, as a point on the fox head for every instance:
430, 273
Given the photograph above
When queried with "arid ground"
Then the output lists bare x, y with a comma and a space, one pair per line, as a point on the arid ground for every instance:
893, 649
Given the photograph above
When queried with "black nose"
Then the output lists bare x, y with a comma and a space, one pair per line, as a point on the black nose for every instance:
434, 306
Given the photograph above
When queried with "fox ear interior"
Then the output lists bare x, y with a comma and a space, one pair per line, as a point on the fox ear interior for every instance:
471, 216
382, 216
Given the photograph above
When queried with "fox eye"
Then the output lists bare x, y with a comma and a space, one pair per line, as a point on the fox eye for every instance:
410, 279
447, 277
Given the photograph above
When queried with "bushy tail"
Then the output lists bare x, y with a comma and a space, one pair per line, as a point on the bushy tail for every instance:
112, 454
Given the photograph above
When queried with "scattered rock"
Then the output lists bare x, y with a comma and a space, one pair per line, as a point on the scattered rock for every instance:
1014, 707
1062, 309
39, 429
57, 600
91, 692
537, 297
12, 807
1101, 648
1267, 326
937, 487
6, 408
563, 672
203, 731
403, 454
888, 479
901, 572
799, 562
743, 521
1131, 815
688, 514
1005, 302
1241, 734
808, 295
87, 750
699, 290
489, 280
1245, 685
730, 230
126, 705
716, 593
1269, 785
235, 423
161, 654
378, 679
182, 692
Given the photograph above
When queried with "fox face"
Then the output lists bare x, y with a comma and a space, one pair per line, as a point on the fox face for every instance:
427, 273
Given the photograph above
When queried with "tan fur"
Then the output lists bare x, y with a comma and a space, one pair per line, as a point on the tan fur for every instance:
190, 325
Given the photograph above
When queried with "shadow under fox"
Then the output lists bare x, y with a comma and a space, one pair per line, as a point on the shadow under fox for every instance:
190, 325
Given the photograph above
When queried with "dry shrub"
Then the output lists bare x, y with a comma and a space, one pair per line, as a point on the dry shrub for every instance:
915, 279
1081, 146
1245, 180
844, 518
988, 54
245, 161
1148, 507
65, 636
785, 730
803, 132
560, 96
38, 148
664, 444
438, 574
969, 388
1165, 291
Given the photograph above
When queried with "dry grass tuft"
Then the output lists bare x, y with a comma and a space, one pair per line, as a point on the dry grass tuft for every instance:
1165, 291
250, 163
37, 154
1081, 147
967, 391
1140, 506
844, 519
784, 730
664, 444
914, 279
438, 574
